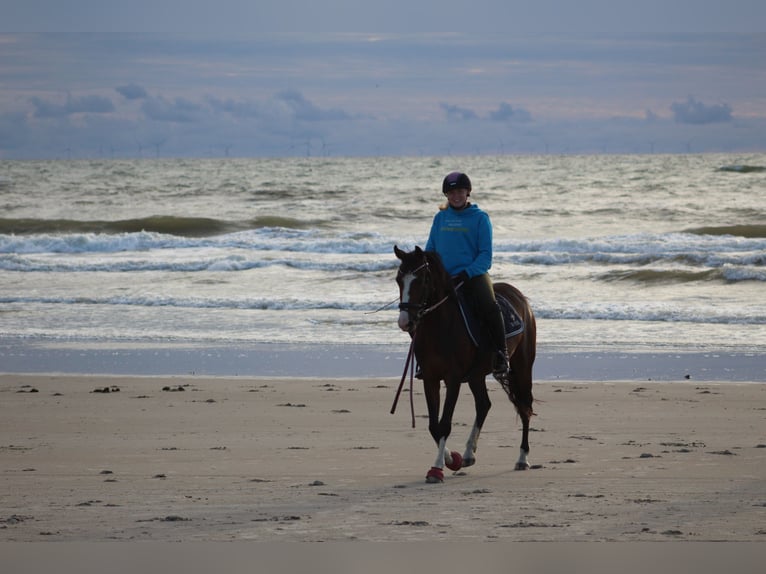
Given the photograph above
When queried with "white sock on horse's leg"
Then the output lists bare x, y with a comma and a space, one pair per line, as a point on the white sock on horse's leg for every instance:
522, 463
473, 441
442, 454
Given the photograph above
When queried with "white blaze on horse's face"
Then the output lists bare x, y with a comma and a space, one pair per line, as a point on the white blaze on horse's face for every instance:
404, 316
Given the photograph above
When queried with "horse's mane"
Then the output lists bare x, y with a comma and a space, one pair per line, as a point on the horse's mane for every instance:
435, 260
437, 267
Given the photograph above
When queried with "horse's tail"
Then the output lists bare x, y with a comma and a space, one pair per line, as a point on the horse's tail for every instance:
519, 389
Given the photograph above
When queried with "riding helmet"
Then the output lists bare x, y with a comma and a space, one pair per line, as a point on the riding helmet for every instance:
456, 180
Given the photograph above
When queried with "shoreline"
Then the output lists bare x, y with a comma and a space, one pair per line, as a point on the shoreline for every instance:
111, 358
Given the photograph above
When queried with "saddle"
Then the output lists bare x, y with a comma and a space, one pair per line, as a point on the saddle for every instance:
513, 323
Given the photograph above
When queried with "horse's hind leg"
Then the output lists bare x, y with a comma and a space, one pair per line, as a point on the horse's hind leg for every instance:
521, 396
483, 404
523, 462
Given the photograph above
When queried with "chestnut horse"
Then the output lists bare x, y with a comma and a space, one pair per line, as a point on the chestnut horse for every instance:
430, 312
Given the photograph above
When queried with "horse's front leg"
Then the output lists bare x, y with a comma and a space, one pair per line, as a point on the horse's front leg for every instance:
441, 427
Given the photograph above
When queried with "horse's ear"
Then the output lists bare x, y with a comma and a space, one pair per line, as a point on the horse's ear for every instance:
399, 253
418, 250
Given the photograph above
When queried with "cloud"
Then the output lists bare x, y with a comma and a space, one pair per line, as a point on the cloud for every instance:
505, 112
179, 110
458, 113
303, 109
132, 92
693, 112
84, 104
650, 116
239, 109
351, 94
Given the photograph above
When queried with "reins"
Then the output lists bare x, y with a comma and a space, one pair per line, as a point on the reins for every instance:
379, 309
433, 307
410, 362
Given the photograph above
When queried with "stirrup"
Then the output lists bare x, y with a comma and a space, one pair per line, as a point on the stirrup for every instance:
500, 366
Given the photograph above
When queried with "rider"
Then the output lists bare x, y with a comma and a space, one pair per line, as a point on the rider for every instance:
461, 234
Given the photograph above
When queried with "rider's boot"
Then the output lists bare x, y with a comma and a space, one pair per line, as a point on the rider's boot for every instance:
500, 364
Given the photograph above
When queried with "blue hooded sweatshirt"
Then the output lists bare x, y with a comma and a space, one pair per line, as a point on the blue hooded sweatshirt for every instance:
463, 239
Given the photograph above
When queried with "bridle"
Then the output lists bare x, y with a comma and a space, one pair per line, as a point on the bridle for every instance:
417, 311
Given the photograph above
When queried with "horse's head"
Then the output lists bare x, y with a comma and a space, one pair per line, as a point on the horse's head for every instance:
417, 286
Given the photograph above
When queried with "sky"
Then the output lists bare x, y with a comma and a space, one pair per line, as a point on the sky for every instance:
237, 78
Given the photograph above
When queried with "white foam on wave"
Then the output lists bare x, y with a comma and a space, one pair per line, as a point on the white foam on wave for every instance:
641, 249
606, 311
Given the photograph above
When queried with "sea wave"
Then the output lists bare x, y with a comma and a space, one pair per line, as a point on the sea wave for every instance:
223, 263
663, 257
630, 248
641, 312
647, 312
262, 239
678, 257
698, 259
727, 273
262, 304
749, 231
163, 224
742, 168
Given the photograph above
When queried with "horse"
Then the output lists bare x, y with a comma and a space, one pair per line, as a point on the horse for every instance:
429, 311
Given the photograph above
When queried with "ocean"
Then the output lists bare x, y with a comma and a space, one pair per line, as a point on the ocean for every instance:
635, 253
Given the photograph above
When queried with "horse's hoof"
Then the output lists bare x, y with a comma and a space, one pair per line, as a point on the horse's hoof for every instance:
435, 475
522, 466
457, 461
469, 461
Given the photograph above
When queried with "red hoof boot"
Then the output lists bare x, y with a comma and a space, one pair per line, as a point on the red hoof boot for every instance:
435, 475
457, 461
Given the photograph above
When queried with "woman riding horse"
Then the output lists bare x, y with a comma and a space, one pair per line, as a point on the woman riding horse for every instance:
430, 312
461, 234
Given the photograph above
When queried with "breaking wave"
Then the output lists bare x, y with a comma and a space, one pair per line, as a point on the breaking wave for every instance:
164, 224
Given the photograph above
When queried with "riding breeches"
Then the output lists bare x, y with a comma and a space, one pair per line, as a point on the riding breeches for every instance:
480, 292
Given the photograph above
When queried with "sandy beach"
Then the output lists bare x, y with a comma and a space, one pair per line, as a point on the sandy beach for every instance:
97, 458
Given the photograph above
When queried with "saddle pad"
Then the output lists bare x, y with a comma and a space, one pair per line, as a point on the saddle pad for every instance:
513, 323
